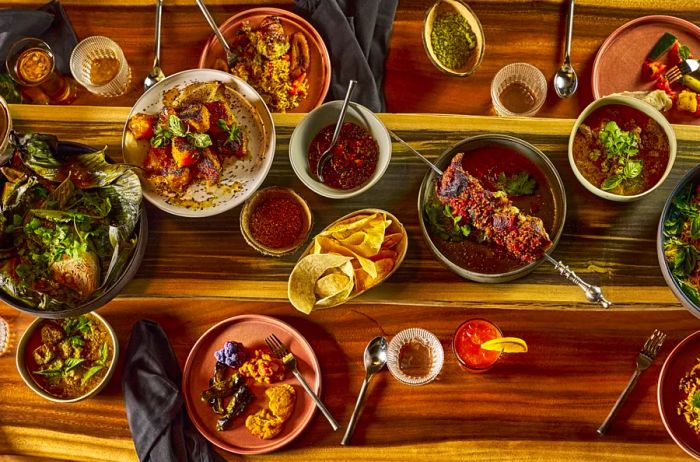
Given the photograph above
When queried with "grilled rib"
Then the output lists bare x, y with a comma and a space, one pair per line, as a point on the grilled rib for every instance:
493, 213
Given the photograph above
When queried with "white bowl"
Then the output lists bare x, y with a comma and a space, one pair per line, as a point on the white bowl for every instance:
323, 116
250, 172
640, 106
26, 375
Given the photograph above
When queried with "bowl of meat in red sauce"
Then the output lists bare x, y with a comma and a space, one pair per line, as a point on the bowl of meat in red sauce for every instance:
621, 148
518, 216
360, 156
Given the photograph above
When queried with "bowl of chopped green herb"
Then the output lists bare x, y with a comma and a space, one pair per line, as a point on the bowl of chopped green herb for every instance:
453, 38
621, 148
678, 235
68, 360
513, 187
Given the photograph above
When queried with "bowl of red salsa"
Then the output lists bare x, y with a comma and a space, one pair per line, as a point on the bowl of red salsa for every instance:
276, 221
359, 158
621, 148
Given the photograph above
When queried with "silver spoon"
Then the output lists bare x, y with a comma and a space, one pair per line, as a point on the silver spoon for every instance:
156, 74
231, 57
565, 80
594, 294
375, 360
338, 126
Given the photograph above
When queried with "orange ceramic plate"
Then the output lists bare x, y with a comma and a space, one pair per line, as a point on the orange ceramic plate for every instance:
250, 330
678, 363
319, 75
618, 64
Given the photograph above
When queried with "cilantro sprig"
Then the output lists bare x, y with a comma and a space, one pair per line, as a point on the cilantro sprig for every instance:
520, 184
177, 128
233, 131
620, 149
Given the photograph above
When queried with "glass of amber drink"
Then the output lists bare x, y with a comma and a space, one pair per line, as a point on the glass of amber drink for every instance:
99, 65
467, 341
31, 63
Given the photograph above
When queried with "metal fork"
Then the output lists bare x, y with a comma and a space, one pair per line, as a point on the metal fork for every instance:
644, 360
278, 349
685, 67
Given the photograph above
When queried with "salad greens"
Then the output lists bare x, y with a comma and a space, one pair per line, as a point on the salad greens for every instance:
681, 233
66, 223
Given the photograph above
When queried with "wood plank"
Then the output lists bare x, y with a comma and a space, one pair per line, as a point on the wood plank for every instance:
545, 404
412, 83
609, 244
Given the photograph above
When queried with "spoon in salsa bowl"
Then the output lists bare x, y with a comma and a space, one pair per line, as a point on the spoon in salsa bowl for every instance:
325, 157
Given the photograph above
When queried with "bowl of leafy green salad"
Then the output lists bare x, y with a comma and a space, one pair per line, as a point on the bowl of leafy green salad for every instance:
73, 229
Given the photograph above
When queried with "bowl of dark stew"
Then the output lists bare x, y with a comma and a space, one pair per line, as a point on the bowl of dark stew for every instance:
621, 149
360, 156
516, 185
67, 360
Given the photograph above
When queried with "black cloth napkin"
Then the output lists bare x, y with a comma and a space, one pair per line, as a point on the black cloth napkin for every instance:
49, 23
155, 408
357, 34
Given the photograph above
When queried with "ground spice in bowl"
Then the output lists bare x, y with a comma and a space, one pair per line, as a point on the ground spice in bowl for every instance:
452, 40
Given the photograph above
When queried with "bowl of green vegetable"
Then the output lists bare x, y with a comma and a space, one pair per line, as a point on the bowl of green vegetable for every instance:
453, 38
73, 229
509, 174
677, 234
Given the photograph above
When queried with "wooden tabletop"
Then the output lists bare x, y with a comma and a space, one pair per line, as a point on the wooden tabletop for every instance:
543, 405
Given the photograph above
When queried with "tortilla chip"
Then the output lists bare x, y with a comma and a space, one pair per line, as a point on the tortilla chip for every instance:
302, 281
326, 245
391, 240
331, 284
385, 253
363, 280
384, 267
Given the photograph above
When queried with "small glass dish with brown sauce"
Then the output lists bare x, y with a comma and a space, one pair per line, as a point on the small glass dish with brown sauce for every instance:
276, 221
415, 356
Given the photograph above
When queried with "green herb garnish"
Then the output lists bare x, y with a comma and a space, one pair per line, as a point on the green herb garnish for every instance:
452, 40
445, 224
681, 231
233, 132
620, 147
177, 128
520, 184
684, 52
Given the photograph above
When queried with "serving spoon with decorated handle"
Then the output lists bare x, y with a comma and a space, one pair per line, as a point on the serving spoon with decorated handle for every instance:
594, 294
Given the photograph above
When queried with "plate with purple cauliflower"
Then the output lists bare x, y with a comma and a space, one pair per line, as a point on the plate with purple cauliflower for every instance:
230, 375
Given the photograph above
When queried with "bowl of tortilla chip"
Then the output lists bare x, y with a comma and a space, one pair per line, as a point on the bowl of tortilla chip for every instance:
349, 257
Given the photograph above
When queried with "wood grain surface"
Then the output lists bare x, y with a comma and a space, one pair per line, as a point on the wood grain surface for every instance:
541, 406
518, 30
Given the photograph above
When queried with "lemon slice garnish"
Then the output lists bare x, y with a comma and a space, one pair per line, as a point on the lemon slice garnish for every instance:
506, 345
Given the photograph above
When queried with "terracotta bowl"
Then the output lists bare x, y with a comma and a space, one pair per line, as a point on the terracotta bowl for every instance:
258, 198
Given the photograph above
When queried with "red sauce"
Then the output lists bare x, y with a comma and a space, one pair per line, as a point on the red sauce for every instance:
277, 222
487, 164
467, 344
354, 157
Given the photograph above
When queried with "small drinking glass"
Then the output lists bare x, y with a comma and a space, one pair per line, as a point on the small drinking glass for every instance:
467, 341
99, 65
415, 356
31, 63
518, 89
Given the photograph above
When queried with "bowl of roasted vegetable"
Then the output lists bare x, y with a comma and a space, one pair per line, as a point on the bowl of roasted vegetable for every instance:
678, 239
498, 207
68, 360
621, 149
72, 229
204, 140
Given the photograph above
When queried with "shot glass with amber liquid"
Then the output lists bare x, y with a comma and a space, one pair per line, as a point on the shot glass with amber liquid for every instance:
31, 63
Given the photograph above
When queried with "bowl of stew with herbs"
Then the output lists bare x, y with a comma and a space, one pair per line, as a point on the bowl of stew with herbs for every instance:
68, 360
621, 149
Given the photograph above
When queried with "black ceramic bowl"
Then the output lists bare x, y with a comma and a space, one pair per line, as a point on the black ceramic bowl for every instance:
526, 150
692, 177
66, 148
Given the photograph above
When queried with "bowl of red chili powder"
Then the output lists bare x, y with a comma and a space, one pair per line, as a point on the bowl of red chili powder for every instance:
276, 221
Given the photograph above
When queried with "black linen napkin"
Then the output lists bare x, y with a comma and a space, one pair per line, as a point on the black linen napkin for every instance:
155, 408
49, 23
357, 34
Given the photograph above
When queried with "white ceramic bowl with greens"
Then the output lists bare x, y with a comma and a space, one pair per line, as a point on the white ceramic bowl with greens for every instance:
318, 119
646, 109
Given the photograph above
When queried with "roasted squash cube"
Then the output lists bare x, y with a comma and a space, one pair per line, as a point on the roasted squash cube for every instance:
184, 152
172, 182
196, 116
219, 110
142, 126
159, 160
208, 168
164, 116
